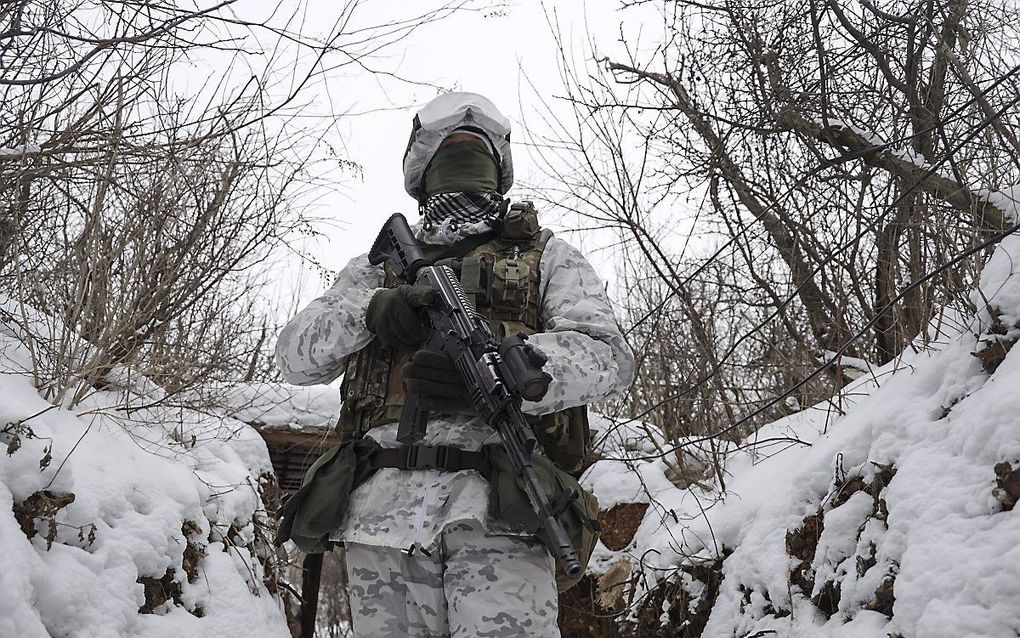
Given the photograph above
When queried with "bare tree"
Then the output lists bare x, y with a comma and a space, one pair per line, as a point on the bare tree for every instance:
140, 203
789, 173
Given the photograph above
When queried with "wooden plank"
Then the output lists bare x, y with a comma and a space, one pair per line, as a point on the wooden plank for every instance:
293, 450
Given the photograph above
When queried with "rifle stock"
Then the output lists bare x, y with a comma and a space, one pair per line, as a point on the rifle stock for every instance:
397, 245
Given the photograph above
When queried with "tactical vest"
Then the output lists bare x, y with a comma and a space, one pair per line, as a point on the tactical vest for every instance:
502, 278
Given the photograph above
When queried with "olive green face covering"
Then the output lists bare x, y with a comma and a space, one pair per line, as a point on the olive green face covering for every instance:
461, 167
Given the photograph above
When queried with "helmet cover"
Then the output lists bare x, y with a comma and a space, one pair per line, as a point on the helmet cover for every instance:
441, 117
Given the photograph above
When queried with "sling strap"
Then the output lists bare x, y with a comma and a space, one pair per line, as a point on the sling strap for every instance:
425, 457
463, 246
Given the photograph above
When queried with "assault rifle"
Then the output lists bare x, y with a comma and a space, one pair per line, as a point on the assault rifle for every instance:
497, 376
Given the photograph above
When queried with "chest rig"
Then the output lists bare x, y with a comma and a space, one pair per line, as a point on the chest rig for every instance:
501, 276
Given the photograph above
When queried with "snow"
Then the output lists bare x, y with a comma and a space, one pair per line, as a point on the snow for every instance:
19, 150
281, 405
145, 485
836, 122
935, 416
155, 483
838, 541
853, 366
1007, 199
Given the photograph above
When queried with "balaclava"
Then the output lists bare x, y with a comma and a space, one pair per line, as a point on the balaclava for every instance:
461, 185
465, 167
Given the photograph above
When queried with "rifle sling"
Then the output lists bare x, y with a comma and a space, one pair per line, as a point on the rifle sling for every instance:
464, 246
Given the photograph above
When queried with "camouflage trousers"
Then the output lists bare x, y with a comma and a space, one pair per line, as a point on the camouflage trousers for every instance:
470, 583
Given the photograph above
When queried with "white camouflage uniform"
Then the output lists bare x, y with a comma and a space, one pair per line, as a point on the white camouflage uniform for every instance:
423, 557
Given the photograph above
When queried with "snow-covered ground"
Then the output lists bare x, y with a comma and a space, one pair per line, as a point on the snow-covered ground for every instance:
881, 523
164, 534
875, 516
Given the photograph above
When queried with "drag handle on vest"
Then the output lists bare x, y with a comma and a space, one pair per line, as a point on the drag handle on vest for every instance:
397, 245
412, 421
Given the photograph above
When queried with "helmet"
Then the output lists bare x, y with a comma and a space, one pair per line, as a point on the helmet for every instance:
442, 116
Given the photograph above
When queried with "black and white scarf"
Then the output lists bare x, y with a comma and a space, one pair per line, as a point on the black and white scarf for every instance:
453, 210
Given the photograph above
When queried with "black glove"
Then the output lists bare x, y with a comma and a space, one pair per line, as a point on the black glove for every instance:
392, 315
434, 378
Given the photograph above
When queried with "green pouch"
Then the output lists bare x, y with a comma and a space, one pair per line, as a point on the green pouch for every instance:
317, 508
510, 288
509, 502
566, 437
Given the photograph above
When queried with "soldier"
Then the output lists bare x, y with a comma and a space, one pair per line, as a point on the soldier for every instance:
424, 556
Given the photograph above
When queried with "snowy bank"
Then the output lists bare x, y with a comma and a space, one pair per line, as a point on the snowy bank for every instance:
142, 523
893, 516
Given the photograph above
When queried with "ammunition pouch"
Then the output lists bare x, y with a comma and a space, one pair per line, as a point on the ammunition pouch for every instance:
318, 507
508, 502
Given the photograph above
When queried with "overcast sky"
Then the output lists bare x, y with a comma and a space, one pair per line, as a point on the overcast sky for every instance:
507, 54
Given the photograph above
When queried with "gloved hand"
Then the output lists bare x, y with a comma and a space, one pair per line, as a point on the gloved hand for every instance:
392, 315
434, 378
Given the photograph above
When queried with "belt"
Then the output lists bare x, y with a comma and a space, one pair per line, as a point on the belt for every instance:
426, 457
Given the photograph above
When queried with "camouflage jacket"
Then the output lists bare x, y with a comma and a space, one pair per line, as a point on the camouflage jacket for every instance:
589, 360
